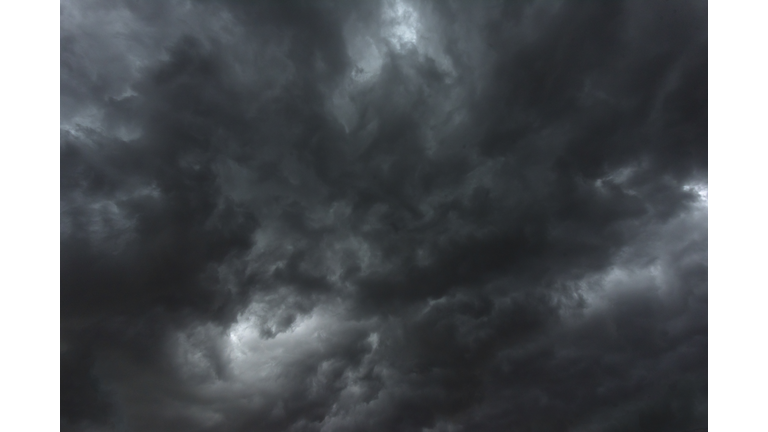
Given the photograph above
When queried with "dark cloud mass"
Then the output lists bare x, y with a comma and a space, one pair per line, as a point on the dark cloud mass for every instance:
392, 215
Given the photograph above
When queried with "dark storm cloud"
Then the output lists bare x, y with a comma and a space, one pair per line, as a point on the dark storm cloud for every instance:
338, 216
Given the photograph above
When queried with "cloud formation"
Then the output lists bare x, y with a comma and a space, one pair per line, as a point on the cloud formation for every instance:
383, 215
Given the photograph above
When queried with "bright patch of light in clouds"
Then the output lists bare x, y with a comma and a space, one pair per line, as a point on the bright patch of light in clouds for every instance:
402, 23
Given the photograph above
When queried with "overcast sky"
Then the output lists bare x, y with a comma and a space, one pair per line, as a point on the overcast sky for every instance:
391, 215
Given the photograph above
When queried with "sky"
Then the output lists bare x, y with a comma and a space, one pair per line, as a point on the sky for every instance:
392, 215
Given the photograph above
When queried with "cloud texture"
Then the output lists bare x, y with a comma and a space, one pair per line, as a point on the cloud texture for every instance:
391, 215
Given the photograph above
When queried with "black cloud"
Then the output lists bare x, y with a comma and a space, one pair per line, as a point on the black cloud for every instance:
395, 215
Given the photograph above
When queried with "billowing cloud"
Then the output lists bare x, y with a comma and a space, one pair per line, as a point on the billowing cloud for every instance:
383, 215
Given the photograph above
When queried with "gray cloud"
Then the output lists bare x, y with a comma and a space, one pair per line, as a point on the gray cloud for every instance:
330, 216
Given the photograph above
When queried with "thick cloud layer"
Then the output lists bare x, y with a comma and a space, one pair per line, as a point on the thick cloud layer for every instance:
383, 215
